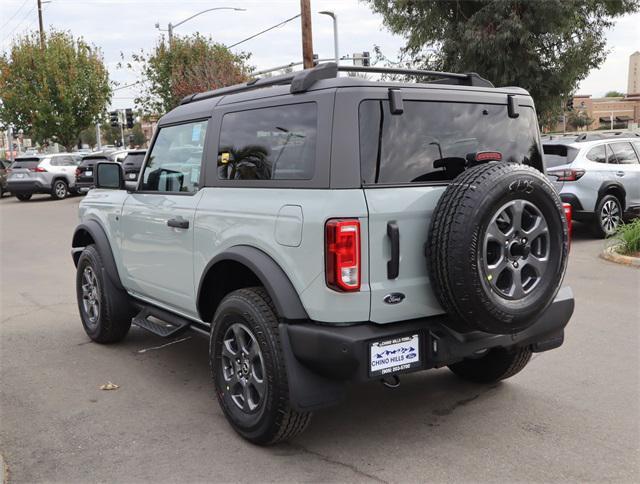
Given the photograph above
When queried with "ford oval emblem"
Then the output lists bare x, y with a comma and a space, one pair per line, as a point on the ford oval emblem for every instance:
394, 298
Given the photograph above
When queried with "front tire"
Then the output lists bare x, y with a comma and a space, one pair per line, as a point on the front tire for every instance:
105, 310
608, 216
59, 190
249, 371
498, 364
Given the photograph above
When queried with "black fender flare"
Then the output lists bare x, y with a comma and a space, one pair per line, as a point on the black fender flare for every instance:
607, 185
101, 241
273, 278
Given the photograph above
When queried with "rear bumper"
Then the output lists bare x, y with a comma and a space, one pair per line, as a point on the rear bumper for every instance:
342, 352
27, 186
84, 186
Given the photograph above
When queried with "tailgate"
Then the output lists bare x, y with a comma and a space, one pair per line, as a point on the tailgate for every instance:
410, 210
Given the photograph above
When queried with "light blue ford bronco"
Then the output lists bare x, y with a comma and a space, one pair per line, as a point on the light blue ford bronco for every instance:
324, 230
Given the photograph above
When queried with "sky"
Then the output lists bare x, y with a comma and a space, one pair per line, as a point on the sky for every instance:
126, 26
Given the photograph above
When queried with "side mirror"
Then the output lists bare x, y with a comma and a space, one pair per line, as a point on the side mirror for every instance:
109, 175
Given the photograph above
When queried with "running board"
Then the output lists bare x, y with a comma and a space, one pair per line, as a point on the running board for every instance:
159, 322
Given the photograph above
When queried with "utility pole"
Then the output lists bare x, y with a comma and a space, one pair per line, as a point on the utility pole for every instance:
307, 40
40, 22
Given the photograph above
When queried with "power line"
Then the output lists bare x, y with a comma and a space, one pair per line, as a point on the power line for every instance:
8, 36
264, 31
14, 15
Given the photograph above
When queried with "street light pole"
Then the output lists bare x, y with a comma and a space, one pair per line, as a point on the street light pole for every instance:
40, 23
335, 32
171, 26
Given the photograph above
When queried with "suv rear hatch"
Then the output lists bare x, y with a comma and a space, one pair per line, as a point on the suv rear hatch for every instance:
558, 154
407, 160
23, 169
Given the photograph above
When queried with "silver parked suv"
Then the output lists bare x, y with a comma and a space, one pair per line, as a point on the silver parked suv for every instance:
599, 175
53, 174
322, 230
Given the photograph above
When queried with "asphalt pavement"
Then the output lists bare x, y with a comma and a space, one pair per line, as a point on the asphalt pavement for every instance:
572, 415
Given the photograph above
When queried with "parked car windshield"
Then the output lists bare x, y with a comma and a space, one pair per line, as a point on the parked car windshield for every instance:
556, 155
432, 141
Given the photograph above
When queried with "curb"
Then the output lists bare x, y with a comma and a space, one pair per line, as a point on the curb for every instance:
610, 254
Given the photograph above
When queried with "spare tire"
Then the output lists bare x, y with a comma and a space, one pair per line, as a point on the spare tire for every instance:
498, 247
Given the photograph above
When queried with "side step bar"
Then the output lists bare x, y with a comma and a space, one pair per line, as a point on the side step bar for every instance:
163, 324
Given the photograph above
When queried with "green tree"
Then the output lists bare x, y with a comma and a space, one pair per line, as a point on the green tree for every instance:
191, 64
579, 119
614, 94
88, 136
547, 47
53, 92
139, 138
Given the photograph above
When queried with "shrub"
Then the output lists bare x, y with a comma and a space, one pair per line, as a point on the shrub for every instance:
629, 237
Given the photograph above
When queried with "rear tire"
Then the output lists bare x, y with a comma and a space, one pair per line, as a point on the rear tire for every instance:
498, 364
105, 310
608, 216
59, 190
23, 197
249, 370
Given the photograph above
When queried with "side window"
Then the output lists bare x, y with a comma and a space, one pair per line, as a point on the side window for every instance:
275, 143
175, 160
636, 145
624, 153
57, 161
598, 154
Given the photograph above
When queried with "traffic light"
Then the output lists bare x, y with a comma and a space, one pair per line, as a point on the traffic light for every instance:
128, 113
570, 104
366, 60
114, 119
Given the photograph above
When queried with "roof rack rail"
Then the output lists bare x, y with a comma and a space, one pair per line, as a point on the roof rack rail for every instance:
466, 79
302, 81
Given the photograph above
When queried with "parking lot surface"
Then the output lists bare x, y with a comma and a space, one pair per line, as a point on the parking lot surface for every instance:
572, 415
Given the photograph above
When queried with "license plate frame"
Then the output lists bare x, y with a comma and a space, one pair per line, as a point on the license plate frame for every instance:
400, 354
88, 173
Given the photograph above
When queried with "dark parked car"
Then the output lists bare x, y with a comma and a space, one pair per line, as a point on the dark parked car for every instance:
4, 166
85, 172
132, 164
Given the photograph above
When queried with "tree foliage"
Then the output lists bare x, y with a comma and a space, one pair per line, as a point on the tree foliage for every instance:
52, 93
547, 47
189, 65
579, 119
614, 94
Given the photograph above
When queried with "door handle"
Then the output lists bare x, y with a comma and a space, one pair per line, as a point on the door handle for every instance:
619, 173
178, 223
393, 265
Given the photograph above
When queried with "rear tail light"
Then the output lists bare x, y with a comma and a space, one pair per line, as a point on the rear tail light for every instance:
567, 175
488, 156
39, 169
77, 171
342, 239
568, 213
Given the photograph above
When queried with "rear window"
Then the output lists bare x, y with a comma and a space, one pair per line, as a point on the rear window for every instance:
556, 155
25, 163
135, 159
431, 141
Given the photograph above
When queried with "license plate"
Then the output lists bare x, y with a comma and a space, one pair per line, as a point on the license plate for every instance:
132, 176
88, 173
19, 175
394, 355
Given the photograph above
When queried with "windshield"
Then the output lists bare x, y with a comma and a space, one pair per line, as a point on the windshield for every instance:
556, 155
432, 141
25, 163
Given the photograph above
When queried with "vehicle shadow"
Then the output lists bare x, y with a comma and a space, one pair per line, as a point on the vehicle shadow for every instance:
370, 411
